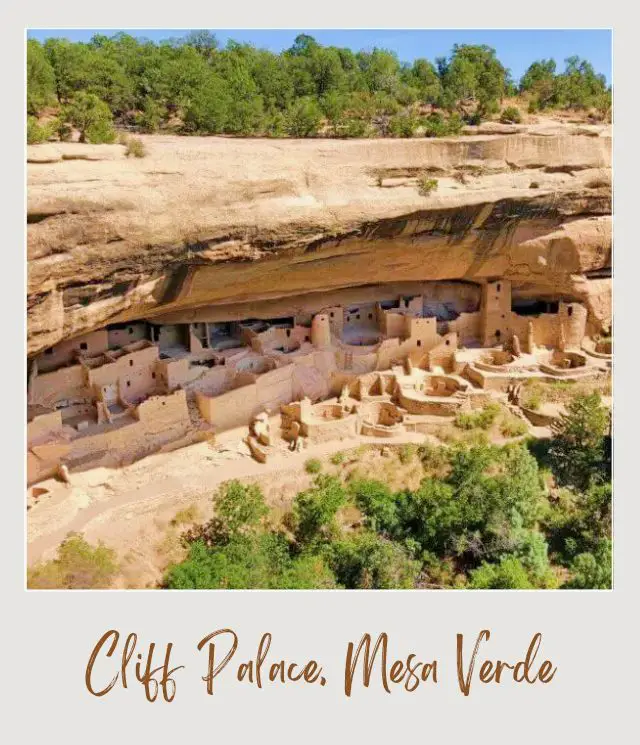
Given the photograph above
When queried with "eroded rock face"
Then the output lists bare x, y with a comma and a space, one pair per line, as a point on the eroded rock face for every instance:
244, 225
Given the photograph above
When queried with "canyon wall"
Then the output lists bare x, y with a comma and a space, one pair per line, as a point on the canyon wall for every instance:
255, 228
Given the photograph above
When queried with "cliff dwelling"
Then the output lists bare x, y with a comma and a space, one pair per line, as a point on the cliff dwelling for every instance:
375, 361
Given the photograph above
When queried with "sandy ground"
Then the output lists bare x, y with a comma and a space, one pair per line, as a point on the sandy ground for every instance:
131, 509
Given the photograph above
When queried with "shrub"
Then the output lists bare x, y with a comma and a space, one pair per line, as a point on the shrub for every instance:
135, 147
313, 465
406, 453
513, 426
258, 561
482, 419
426, 185
337, 458
402, 125
509, 574
35, 132
78, 566
511, 115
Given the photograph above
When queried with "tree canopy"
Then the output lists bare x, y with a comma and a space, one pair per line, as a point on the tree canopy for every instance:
192, 85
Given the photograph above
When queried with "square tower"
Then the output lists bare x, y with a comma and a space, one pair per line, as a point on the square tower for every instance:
496, 313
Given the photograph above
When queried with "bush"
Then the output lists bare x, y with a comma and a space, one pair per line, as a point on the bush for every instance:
426, 185
239, 510
78, 566
513, 426
509, 574
402, 125
337, 458
511, 115
313, 465
406, 453
135, 147
258, 561
479, 419
35, 132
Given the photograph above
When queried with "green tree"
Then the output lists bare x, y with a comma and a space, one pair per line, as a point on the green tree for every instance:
378, 503
367, 561
92, 118
207, 106
592, 571
41, 81
258, 561
577, 451
303, 118
539, 81
239, 508
315, 509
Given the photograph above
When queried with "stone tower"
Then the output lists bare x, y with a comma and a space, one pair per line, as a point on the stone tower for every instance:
320, 331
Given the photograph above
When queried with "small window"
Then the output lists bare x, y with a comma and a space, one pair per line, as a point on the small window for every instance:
447, 342
570, 310
128, 384
130, 363
370, 316
164, 403
83, 345
48, 351
130, 330
498, 287
358, 317
288, 333
331, 314
419, 343
498, 334
306, 338
153, 375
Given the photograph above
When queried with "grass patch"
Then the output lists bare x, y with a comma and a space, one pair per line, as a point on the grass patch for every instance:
337, 458
513, 426
482, 419
78, 566
135, 148
313, 465
406, 453
187, 516
427, 185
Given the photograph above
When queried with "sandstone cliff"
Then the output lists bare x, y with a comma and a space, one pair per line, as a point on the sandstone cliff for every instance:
245, 225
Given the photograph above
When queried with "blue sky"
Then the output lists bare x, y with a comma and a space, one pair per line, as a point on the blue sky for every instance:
515, 49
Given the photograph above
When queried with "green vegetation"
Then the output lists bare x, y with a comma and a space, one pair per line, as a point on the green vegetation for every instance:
578, 87
482, 517
337, 458
313, 465
426, 185
511, 115
78, 566
135, 147
482, 419
191, 85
